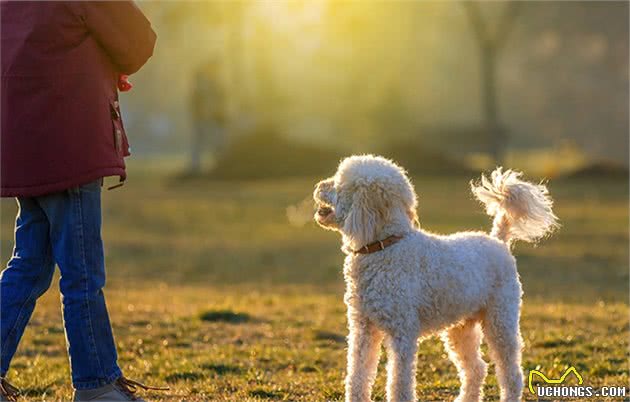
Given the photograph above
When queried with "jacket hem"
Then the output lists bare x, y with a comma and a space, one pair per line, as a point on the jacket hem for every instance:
37, 190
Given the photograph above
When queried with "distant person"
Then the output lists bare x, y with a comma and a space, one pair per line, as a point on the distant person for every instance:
61, 134
208, 107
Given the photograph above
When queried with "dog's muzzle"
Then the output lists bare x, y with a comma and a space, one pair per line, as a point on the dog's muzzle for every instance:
324, 211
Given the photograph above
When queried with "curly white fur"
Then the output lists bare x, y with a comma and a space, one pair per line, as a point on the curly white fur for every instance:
461, 286
521, 210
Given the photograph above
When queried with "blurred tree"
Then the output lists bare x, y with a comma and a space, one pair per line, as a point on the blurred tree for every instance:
208, 108
354, 75
490, 44
234, 19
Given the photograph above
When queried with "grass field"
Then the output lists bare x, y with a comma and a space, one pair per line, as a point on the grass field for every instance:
213, 292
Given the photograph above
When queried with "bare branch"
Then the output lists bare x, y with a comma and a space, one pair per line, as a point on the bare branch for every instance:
506, 24
497, 37
476, 20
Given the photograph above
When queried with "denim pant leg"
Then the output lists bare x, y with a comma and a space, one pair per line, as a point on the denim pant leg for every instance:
27, 276
75, 232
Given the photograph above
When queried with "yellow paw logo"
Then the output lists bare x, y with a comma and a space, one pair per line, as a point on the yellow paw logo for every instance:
552, 380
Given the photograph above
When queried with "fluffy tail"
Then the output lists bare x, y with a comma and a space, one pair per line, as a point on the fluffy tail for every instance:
521, 210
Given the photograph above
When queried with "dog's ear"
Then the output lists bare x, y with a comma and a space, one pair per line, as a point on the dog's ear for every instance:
413, 216
366, 216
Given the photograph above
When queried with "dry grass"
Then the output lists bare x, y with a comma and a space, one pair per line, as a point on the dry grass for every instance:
213, 292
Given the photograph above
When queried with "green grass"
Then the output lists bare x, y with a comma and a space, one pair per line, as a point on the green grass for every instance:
213, 292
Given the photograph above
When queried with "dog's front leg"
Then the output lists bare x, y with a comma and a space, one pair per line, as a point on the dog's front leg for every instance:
401, 367
364, 347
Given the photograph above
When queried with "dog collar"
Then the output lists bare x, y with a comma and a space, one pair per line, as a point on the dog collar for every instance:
378, 245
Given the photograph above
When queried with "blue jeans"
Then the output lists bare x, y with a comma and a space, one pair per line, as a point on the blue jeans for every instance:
62, 228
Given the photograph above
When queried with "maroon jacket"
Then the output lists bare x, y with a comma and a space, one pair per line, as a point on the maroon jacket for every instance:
60, 119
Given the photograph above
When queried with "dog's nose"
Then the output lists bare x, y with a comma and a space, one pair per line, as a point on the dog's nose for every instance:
324, 211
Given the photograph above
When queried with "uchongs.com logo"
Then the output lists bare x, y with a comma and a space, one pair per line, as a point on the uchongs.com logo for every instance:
559, 388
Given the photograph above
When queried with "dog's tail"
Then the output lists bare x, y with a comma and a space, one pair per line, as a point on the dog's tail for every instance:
521, 210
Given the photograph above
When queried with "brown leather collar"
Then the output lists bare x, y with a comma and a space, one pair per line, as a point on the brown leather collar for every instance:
378, 245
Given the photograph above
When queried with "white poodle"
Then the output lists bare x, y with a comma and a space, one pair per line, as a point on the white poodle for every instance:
403, 283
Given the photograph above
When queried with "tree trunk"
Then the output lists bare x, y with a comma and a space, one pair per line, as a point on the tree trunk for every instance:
490, 105
490, 45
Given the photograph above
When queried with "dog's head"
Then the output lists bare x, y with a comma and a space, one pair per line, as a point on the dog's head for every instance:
368, 199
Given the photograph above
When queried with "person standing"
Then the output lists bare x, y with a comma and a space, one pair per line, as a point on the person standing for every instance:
208, 108
61, 134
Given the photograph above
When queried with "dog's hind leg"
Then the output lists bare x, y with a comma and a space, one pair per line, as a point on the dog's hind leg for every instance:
501, 331
364, 347
402, 351
462, 344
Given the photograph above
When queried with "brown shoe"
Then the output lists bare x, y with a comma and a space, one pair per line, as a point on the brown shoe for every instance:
8, 392
123, 389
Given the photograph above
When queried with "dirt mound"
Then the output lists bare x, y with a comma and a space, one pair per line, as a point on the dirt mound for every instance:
421, 160
600, 170
267, 155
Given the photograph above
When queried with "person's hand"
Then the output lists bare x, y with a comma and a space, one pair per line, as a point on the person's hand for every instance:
123, 83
